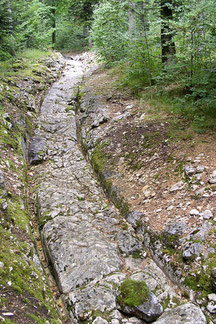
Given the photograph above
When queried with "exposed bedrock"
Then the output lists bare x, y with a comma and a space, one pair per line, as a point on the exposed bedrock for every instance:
91, 249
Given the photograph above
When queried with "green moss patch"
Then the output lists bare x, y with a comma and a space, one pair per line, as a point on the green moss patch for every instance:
17, 214
99, 159
22, 284
133, 293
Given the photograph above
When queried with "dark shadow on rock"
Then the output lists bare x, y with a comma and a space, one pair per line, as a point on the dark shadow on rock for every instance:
37, 150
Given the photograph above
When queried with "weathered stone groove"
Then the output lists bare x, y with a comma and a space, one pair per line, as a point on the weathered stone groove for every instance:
89, 246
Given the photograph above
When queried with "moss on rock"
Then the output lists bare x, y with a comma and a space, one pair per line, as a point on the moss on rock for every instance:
133, 293
23, 283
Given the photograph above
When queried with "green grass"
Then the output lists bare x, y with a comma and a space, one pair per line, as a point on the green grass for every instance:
34, 54
21, 64
175, 103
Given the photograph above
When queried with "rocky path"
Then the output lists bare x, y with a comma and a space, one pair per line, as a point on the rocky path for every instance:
90, 248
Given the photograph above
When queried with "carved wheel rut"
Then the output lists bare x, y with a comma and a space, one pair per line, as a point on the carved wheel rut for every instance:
90, 248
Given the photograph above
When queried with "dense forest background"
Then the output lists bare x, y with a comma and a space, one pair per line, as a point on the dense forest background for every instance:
161, 48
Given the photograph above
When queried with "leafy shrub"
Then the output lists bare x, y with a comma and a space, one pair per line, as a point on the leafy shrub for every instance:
109, 31
36, 24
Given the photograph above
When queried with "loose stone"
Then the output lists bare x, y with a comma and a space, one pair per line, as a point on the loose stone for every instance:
194, 212
212, 179
206, 214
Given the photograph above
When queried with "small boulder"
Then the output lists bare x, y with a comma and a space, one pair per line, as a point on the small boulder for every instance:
192, 250
185, 314
211, 307
200, 169
212, 297
177, 186
194, 212
3, 192
148, 192
189, 170
2, 181
99, 119
208, 251
172, 232
136, 299
99, 320
206, 214
201, 233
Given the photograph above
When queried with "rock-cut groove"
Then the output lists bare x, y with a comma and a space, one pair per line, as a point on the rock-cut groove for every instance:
87, 242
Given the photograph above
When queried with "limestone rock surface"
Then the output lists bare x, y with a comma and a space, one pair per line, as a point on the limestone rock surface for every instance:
184, 314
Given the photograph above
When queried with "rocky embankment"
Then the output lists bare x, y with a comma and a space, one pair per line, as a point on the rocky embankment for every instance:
25, 294
163, 187
100, 263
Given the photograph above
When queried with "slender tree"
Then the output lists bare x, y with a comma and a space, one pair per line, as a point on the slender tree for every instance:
54, 23
10, 19
167, 43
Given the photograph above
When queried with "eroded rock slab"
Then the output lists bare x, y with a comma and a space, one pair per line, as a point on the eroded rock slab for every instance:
79, 252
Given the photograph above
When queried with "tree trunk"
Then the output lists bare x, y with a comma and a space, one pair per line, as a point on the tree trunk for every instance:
131, 19
10, 19
86, 34
54, 25
85, 31
10, 26
167, 43
143, 17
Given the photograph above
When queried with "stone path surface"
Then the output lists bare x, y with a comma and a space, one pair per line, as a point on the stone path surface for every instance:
90, 248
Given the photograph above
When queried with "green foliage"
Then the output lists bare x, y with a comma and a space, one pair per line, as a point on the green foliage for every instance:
70, 35
138, 44
109, 31
133, 293
36, 27
25, 24
83, 9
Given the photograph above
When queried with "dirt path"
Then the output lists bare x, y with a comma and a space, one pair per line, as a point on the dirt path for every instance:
91, 249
